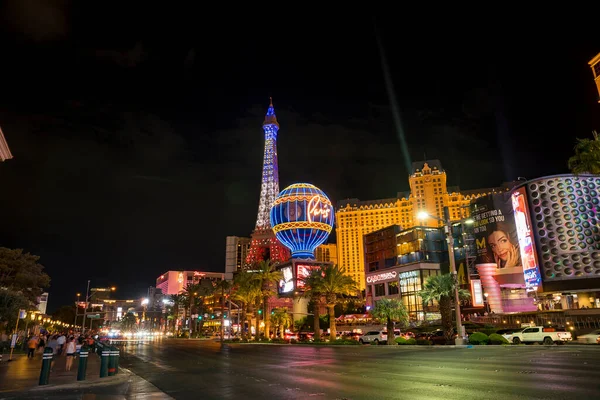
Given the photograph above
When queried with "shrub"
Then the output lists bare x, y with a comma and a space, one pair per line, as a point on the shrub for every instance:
479, 338
498, 339
423, 342
400, 340
411, 341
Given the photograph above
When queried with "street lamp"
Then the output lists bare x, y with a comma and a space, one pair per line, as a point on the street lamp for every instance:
450, 239
77, 309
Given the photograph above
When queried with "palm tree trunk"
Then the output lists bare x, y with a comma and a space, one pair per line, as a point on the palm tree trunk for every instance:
332, 330
257, 326
243, 321
266, 316
446, 313
317, 319
390, 331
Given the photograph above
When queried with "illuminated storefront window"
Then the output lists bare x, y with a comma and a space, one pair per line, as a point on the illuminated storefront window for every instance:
411, 283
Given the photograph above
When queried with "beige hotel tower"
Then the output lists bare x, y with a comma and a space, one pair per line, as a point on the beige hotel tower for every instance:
428, 192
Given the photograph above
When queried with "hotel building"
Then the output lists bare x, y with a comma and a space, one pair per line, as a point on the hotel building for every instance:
428, 192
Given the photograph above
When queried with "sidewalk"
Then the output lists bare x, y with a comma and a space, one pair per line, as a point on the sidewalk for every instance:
19, 378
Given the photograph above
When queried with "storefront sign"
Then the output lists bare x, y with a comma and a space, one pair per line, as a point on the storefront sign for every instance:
382, 277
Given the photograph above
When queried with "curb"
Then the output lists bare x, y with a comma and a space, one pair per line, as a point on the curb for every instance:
123, 376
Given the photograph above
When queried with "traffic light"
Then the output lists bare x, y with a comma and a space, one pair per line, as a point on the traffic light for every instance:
212, 316
272, 312
259, 312
199, 317
224, 315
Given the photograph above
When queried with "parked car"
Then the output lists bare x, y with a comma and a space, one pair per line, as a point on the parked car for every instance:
591, 337
540, 334
507, 333
375, 337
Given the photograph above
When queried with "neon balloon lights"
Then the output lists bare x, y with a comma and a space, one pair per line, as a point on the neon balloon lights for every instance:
302, 218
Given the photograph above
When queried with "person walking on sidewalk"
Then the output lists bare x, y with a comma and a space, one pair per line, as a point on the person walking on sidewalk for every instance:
70, 349
53, 344
31, 346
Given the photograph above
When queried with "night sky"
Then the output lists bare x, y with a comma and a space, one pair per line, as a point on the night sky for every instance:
137, 134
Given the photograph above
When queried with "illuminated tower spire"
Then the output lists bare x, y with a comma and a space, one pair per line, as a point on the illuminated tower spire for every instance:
264, 244
270, 174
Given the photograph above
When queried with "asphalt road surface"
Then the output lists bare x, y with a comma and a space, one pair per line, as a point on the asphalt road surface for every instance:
192, 369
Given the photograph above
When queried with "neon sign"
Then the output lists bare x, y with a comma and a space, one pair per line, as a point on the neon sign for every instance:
531, 269
315, 208
382, 277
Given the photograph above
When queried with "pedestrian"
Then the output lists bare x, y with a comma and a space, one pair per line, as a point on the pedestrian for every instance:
70, 349
31, 346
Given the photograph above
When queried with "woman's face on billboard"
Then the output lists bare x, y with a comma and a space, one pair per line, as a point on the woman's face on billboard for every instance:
500, 244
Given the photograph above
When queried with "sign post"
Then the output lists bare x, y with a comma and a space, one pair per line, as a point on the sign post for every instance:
13, 342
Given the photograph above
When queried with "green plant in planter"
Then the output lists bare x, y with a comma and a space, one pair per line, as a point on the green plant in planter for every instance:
479, 338
498, 339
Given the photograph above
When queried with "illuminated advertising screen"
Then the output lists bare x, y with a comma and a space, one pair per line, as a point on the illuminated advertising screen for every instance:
531, 268
499, 261
302, 272
476, 293
286, 284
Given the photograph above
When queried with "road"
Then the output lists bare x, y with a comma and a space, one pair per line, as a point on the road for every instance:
191, 369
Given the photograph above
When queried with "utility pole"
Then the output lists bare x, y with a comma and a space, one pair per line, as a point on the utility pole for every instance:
87, 292
450, 239
76, 309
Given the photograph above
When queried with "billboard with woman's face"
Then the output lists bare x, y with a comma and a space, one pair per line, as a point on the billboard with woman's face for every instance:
495, 231
499, 254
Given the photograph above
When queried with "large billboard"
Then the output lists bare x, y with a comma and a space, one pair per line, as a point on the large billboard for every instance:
293, 274
531, 268
499, 253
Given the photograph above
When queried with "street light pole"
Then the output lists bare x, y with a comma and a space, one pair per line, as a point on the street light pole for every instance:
76, 309
450, 239
87, 293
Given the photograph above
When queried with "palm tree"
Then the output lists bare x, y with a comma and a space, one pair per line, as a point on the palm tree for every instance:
223, 287
190, 293
282, 320
178, 301
312, 290
245, 291
335, 283
587, 156
267, 277
440, 289
390, 310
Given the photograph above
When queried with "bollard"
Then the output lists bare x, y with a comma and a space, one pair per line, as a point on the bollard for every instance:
111, 360
46, 364
117, 360
104, 355
83, 360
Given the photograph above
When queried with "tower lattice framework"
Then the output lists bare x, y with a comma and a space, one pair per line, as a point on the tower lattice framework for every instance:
264, 245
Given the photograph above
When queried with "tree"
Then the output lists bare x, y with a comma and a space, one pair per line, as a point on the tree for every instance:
245, 291
128, 322
281, 320
440, 289
390, 310
266, 277
21, 272
10, 304
335, 283
587, 156
312, 289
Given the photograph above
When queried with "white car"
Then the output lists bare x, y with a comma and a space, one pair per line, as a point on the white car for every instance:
591, 337
375, 337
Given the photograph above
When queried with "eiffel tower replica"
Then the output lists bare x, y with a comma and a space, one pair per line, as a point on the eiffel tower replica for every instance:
263, 244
